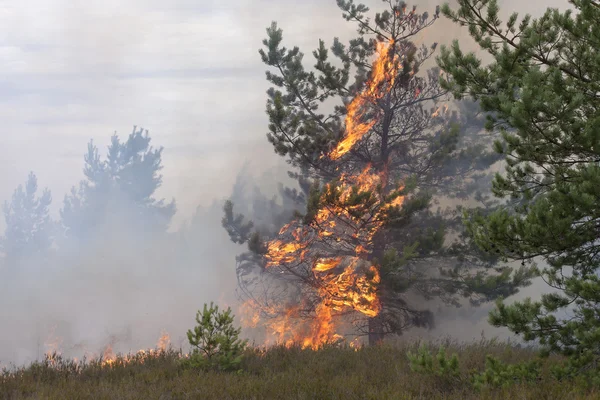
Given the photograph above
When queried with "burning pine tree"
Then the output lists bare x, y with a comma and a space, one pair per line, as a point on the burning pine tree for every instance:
372, 238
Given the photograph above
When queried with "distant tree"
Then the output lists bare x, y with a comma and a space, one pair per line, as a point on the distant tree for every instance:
384, 126
29, 229
542, 89
118, 190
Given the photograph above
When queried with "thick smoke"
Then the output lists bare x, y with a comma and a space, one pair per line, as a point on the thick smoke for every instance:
191, 74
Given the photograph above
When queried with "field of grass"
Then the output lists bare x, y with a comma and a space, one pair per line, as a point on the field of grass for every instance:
381, 372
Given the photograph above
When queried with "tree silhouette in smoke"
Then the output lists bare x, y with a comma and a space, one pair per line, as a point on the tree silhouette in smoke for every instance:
29, 229
118, 189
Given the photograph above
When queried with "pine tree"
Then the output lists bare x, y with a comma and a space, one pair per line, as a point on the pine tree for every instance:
118, 190
29, 229
388, 128
542, 91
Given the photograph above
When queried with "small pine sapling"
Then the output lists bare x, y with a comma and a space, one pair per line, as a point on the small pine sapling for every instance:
215, 341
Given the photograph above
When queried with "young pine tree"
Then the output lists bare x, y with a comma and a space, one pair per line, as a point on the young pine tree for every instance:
118, 190
29, 229
543, 90
215, 341
383, 154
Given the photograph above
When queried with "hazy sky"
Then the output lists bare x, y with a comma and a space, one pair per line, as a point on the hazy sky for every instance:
187, 70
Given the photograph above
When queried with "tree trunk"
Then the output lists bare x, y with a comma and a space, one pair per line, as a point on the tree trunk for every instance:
376, 334
376, 324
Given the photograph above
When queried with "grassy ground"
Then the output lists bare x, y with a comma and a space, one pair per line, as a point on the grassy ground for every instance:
381, 372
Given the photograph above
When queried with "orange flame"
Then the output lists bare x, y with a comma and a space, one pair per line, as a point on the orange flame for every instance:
346, 282
163, 342
108, 356
385, 69
53, 346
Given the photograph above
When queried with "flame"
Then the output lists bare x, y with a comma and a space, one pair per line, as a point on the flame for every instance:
279, 252
439, 109
163, 342
326, 264
349, 281
385, 69
53, 346
108, 356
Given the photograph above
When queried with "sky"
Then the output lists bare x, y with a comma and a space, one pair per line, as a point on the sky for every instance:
187, 70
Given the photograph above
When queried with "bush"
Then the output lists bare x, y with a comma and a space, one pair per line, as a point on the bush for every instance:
496, 373
423, 362
499, 374
215, 341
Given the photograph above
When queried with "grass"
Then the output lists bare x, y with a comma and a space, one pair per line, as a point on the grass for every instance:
381, 372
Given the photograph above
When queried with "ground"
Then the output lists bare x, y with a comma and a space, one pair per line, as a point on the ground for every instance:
380, 372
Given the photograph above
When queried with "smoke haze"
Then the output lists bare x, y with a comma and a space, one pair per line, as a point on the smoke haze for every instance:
190, 73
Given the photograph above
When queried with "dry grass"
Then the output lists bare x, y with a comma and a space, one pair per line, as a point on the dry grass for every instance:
381, 372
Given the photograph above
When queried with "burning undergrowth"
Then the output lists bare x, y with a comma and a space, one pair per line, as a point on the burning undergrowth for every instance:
107, 356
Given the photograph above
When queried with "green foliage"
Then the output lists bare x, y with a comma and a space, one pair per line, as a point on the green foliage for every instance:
541, 91
29, 229
215, 341
499, 374
442, 366
119, 190
495, 375
238, 229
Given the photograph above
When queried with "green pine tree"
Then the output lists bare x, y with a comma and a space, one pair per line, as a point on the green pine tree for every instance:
118, 190
215, 341
421, 251
29, 229
543, 92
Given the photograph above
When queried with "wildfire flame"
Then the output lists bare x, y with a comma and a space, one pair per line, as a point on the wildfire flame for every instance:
347, 282
108, 355
384, 71
53, 346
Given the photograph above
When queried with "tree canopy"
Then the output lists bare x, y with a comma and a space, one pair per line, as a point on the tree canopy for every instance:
542, 90
118, 189
29, 229
380, 160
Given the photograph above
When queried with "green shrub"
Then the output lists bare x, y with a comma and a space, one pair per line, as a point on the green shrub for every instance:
215, 341
423, 362
499, 374
496, 373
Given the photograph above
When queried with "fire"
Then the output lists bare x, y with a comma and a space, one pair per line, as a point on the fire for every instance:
384, 72
326, 264
278, 252
53, 346
108, 356
347, 282
163, 342
439, 109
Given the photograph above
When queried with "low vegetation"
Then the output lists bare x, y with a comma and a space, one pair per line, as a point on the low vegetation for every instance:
222, 366
334, 372
215, 341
